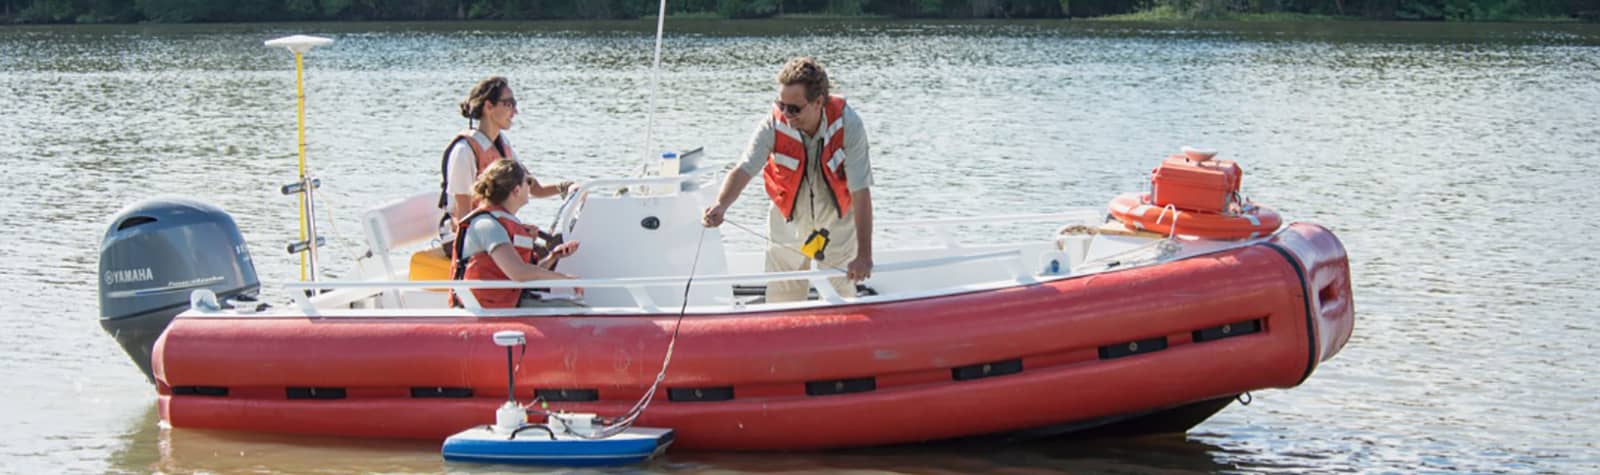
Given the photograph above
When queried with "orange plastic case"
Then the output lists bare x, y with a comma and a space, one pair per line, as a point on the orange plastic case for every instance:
1208, 186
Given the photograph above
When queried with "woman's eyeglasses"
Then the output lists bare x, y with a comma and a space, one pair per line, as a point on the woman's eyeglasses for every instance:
509, 101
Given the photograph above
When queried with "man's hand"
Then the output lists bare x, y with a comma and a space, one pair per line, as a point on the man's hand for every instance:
713, 216
566, 188
860, 268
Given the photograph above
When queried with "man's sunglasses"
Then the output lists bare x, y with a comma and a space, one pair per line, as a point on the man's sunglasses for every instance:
790, 109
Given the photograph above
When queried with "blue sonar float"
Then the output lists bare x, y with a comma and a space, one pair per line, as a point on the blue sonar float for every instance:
573, 440
538, 447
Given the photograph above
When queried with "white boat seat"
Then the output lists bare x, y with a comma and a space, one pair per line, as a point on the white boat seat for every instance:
397, 226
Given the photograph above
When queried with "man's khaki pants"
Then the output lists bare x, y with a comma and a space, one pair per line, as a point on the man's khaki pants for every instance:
783, 253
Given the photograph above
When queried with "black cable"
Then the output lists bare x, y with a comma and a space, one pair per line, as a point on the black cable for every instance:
626, 420
532, 426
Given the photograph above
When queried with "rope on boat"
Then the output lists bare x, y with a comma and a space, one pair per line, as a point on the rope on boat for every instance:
1174, 232
1078, 229
359, 257
623, 422
1153, 251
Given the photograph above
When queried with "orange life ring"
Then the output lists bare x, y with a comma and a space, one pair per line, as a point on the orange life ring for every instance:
1136, 212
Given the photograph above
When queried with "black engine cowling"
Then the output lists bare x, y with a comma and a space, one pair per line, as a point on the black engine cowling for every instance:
154, 254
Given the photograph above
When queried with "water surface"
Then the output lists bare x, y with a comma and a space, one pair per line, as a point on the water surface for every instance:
1453, 160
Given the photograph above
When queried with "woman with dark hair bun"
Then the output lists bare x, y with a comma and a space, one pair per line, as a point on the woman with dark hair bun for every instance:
494, 245
489, 109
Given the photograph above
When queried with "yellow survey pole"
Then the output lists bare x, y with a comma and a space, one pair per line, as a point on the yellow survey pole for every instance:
305, 186
300, 99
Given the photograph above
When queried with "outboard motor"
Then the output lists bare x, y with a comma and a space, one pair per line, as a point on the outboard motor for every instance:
154, 255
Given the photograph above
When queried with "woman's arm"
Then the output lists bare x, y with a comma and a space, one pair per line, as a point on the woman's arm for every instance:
460, 205
563, 250
540, 190
509, 262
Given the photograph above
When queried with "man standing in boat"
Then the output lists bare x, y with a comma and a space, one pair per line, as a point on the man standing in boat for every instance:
811, 151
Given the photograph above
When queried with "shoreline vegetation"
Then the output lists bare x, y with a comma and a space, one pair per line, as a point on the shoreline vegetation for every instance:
204, 11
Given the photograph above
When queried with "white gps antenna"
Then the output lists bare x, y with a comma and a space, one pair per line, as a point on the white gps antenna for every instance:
510, 416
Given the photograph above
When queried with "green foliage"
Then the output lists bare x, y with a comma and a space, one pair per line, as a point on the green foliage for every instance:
1096, 8
174, 11
334, 9
48, 11
302, 9
1426, 10
483, 9
844, 7
747, 8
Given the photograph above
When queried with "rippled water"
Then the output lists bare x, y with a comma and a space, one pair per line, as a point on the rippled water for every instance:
1455, 161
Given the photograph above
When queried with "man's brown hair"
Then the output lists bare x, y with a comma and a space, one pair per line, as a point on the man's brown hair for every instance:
805, 71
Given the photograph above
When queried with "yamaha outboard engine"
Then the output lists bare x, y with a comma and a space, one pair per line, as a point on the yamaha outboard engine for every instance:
154, 255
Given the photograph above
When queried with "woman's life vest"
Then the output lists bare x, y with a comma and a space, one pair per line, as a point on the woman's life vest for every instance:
786, 166
485, 156
481, 266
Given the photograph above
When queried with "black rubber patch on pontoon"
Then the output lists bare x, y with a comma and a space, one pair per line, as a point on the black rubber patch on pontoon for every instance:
721, 393
1133, 348
1305, 292
1227, 331
985, 370
840, 386
441, 392
568, 394
217, 391
315, 393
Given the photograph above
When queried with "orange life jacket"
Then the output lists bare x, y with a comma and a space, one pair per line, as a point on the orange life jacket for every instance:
786, 165
485, 156
481, 266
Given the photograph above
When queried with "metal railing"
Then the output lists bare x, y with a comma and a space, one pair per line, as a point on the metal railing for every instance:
942, 225
570, 207
637, 286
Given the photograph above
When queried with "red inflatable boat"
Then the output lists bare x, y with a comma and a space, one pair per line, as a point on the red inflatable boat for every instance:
1108, 343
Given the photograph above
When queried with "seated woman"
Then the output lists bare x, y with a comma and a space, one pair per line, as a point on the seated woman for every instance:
497, 246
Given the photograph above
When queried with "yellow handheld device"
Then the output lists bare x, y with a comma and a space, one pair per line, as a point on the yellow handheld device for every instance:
815, 243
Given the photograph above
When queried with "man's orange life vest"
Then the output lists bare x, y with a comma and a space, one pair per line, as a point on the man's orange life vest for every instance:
786, 166
481, 266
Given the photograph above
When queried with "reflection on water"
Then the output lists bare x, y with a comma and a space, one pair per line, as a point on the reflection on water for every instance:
1451, 160
153, 448
190, 450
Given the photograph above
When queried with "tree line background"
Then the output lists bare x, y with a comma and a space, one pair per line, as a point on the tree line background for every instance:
181, 11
